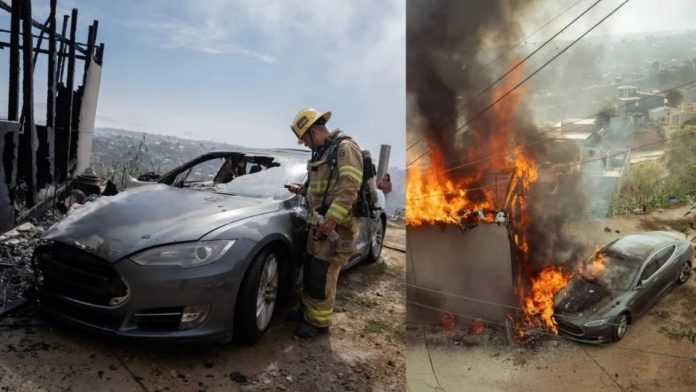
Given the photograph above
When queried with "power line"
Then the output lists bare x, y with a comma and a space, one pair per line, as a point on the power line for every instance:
603, 370
558, 337
535, 51
568, 163
544, 139
528, 37
527, 78
462, 190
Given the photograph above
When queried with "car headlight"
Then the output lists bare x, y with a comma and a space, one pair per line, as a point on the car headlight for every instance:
596, 323
188, 254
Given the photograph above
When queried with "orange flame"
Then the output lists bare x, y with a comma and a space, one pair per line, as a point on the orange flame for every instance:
595, 268
432, 197
539, 303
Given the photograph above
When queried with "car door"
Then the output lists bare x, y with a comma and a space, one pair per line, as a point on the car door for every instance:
647, 287
666, 272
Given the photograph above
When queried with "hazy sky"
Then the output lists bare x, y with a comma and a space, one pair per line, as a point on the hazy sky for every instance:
636, 16
237, 71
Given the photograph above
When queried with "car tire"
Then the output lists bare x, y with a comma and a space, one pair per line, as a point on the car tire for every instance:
684, 273
619, 327
258, 296
377, 242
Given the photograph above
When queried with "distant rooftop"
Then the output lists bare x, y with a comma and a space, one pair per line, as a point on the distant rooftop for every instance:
573, 136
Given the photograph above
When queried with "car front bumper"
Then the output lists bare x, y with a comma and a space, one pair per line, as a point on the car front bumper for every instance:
156, 297
574, 328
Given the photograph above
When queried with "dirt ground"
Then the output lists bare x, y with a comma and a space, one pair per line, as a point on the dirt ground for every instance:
651, 356
364, 351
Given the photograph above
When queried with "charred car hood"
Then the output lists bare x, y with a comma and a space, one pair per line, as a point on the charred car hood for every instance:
115, 227
584, 299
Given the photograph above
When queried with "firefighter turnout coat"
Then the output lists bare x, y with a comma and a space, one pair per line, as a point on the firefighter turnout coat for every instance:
331, 192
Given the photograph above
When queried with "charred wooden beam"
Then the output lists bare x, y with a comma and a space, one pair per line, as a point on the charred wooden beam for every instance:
51, 90
80, 46
39, 41
11, 142
44, 51
13, 92
90, 50
91, 42
29, 131
61, 51
39, 25
70, 88
8, 131
95, 23
99, 56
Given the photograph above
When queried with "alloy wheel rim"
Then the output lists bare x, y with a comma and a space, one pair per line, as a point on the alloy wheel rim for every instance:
377, 241
267, 293
623, 325
685, 272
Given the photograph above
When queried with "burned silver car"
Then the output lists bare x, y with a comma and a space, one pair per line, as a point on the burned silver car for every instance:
620, 283
209, 248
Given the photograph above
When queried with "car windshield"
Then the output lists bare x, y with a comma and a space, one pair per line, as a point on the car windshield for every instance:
611, 269
268, 184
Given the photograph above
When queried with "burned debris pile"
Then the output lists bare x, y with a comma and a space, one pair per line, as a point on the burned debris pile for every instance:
16, 250
42, 152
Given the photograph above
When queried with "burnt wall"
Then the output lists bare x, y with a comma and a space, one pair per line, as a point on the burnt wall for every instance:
475, 263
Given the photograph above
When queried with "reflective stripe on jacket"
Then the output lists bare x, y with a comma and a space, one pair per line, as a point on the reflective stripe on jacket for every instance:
344, 184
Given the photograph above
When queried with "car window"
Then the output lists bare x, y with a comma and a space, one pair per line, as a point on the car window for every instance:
267, 184
617, 273
662, 256
650, 268
202, 172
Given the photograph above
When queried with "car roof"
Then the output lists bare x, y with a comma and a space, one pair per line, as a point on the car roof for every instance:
640, 245
277, 154
263, 152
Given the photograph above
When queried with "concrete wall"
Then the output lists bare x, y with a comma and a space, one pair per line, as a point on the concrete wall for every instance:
476, 264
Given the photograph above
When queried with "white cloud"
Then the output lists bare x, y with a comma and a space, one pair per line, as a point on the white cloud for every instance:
379, 53
177, 34
358, 40
354, 51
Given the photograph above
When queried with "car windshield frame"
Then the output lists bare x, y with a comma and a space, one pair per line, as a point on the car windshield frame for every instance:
291, 168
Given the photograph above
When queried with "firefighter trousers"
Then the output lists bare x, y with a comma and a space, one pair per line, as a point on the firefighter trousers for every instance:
322, 264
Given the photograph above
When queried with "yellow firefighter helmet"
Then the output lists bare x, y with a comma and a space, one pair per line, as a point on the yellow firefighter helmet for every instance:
305, 119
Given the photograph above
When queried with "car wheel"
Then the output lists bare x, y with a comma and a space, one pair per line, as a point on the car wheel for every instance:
376, 242
684, 273
258, 296
620, 325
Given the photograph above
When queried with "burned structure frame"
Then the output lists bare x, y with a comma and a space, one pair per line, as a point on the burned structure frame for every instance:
39, 162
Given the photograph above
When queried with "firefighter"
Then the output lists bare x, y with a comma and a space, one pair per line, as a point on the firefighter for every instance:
334, 180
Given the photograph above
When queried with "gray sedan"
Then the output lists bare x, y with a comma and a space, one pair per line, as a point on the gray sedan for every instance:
209, 248
599, 303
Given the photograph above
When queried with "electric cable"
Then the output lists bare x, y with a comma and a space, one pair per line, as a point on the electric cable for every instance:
535, 51
541, 140
425, 338
574, 163
469, 121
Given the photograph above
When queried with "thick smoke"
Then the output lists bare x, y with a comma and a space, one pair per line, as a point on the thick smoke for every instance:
449, 45
444, 41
